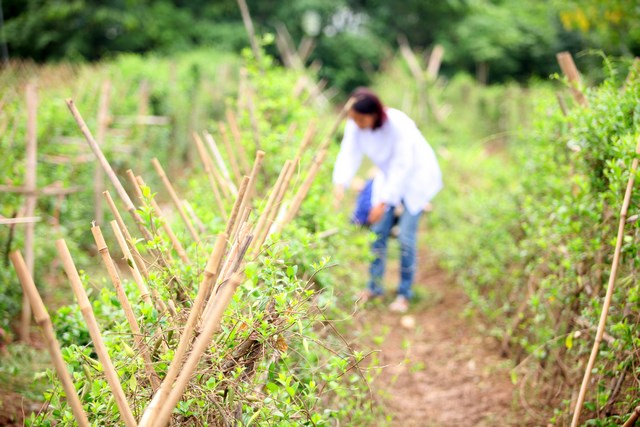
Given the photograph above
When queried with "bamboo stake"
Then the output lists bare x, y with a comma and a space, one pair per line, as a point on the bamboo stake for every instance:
633, 418
225, 185
211, 143
276, 212
126, 305
435, 60
98, 176
44, 320
31, 200
208, 168
175, 199
212, 323
236, 206
100, 156
137, 277
237, 137
114, 210
235, 167
133, 267
570, 70
261, 229
248, 23
109, 171
89, 317
315, 166
609, 294
246, 200
21, 220
166, 226
210, 275
253, 119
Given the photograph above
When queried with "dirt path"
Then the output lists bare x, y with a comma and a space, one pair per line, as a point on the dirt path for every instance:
439, 370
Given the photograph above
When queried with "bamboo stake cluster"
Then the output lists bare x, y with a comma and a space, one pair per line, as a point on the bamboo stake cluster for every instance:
221, 276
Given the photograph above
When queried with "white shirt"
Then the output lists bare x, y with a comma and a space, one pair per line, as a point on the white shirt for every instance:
407, 162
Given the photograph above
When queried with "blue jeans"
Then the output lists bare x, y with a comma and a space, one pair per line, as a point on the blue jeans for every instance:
407, 238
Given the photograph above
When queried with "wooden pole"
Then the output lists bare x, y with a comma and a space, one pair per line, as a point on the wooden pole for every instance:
209, 171
226, 177
137, 277
275, 213
31, 200
237, 137
175, 199
231, 221
98, 177
235, 166
248, 23
94, 331
261, 229
213, 147
315, 166
633, 418
100, 156
570, 70
109, 171
210, 275
248, 195
253, 119
212, 324
44, 320
607, 299
133, 267
114, 210
138, 340
435, 60
166, 226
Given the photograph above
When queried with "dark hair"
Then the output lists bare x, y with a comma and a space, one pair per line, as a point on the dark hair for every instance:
367, 102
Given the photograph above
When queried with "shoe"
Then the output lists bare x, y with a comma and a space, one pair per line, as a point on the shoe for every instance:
366, 296
399, 305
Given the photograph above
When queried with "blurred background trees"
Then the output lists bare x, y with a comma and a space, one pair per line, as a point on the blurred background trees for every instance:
498, 40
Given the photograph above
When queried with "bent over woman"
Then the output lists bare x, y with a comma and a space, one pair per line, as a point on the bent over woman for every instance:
409, 176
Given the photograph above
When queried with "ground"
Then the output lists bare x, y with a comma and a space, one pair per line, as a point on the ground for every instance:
438, 368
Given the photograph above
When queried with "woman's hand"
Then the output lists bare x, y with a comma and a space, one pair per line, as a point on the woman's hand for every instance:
338, 195
376, 213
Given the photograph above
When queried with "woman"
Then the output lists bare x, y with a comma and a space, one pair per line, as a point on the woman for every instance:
409, 177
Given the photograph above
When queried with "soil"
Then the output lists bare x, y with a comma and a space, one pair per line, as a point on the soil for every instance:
438, 368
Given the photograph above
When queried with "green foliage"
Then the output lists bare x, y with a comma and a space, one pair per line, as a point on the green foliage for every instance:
527, 223
278, 355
